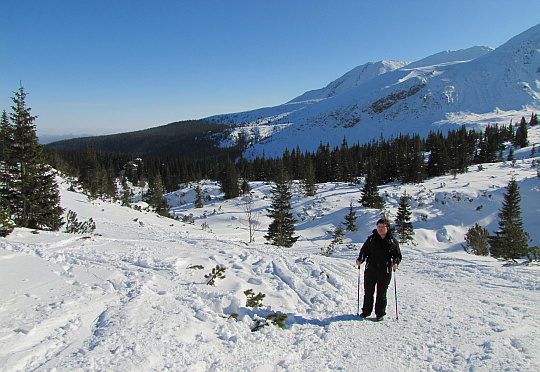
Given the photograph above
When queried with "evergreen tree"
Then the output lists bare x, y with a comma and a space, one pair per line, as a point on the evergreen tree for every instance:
477, 241
350, 219
404, 227
154, 196
281, 229
229, 180
6, 164
6, 225
370, 192
511, 241
534, 120
521, 137
34, 197
198, 196
308, 184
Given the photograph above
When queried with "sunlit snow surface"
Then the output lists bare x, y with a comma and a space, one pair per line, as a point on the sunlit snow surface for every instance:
126, 298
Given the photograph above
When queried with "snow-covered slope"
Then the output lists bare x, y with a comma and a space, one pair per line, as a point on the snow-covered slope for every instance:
133, 296
472, 87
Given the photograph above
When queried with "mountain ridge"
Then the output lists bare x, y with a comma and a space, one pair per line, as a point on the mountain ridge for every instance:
474, 87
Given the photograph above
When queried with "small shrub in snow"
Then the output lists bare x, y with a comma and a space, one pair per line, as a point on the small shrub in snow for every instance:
73, 226
217, 273
259, 323
277, 319
337, 239
196, 267
254, 300
477, 241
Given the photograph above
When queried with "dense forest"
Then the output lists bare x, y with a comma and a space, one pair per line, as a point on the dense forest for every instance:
405, 159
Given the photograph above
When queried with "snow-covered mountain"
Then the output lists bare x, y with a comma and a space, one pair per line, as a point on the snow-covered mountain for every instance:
473, 87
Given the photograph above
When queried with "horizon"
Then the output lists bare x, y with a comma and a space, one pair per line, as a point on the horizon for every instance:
95, 68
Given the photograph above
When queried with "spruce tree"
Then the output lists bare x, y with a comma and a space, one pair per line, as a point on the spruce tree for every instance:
281, 229
154, 196
534, 120
404, 227
350, 219
521, 137
34, 199
6, 165
511, 241
229, 180
370, 192
308, 183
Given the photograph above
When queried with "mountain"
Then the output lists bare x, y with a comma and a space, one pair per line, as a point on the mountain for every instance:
196, 139
472, 87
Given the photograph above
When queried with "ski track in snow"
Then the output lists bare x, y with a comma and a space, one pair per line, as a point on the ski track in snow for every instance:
129, 299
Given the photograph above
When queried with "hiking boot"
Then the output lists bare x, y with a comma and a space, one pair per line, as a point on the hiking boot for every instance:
380, 318
363, 316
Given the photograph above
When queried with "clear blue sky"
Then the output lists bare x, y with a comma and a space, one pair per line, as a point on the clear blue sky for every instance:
100, 67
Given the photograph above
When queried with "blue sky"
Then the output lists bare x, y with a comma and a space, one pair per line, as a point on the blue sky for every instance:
100, 67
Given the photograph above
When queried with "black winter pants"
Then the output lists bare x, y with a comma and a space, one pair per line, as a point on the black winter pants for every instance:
379, 277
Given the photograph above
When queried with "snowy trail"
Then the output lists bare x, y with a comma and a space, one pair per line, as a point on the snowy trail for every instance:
132, 298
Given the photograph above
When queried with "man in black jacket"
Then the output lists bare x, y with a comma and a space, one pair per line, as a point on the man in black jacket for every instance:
382, 254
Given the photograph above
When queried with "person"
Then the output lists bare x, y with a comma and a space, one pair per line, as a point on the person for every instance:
382, 254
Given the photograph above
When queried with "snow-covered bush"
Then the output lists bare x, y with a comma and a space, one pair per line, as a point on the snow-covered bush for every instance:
75, 227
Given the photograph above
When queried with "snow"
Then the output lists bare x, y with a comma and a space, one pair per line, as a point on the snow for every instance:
131, 296
417, 98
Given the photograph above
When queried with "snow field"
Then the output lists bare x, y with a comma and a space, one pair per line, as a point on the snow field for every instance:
131, 298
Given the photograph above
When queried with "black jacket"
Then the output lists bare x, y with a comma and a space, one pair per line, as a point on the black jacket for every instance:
380, 253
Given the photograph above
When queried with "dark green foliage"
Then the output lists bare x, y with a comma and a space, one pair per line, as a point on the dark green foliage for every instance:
370, 192
198, 196
520, 138
6, 226
350, 219
154, 196
228, 180
308, 182
404, 227
281, 228
511, 242
75, 227
277, 319
254, 300
29, 190
477, 241
195, 139
217, 273
534, 120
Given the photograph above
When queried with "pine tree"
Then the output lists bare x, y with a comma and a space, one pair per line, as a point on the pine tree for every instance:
229, 180
34, 197
281, 229
477, 241
308, 184
6, 164
198, 196
511, 241
154, 196
520, 139
404, 227
534, 120
370, 192
350, 219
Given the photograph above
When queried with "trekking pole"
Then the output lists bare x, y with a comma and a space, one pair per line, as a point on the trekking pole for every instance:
395, 293
358, 297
